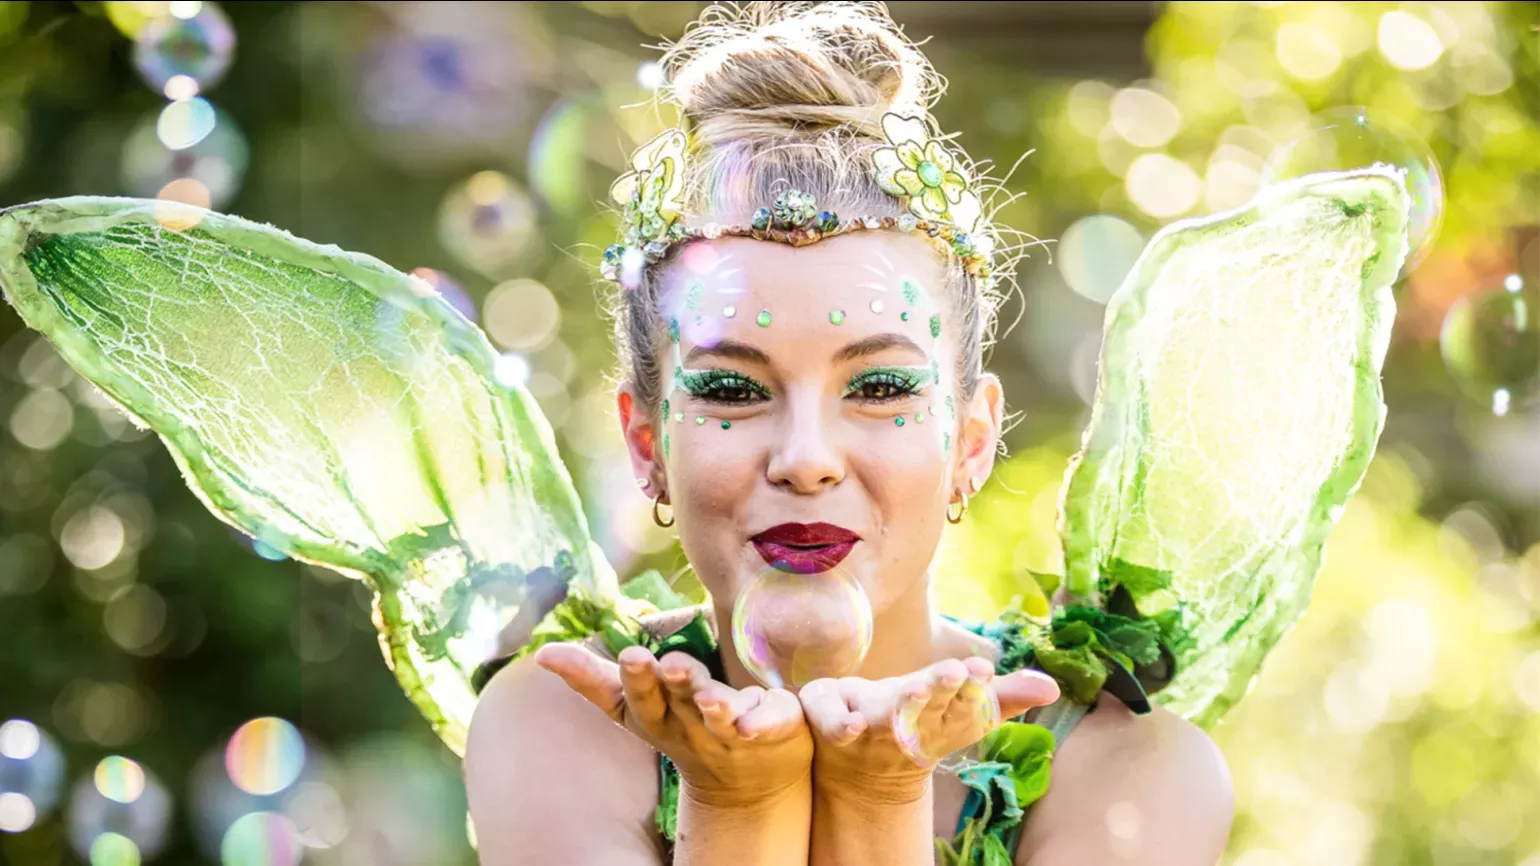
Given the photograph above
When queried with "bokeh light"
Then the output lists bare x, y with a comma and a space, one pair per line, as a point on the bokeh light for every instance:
1162, 185
487, 223
1096, 252
216, 162
521, 314
184, 123
790, 629
1491, 345
199, 46
261, 839
120, 814
31, 775
265, 756
1353, 137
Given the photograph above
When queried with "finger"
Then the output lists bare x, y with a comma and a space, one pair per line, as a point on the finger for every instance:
683, 678
1023, 690
829, 713
720, 706
595, 678
777, 713
946, 678
639, 680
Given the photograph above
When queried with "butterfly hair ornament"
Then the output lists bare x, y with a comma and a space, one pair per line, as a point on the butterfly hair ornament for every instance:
941, 200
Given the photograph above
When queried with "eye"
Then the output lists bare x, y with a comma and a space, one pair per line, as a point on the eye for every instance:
886, 384
723, 386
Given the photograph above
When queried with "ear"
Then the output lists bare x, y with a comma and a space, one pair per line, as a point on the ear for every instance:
979, 435
638, 428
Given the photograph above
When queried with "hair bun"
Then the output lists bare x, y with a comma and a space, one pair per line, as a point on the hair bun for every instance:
770, 68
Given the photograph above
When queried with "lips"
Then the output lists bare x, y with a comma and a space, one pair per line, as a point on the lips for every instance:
804, 548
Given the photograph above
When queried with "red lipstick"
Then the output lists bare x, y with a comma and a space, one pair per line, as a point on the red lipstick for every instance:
804, 548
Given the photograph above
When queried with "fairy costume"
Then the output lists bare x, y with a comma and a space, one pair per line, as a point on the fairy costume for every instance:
345, 414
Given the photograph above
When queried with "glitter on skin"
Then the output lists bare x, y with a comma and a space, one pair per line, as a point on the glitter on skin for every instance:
935, 326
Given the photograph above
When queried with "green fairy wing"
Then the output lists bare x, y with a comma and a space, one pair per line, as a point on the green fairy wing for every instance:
330, 406
1237, 408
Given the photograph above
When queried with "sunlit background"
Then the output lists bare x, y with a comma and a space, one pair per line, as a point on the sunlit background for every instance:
171, 692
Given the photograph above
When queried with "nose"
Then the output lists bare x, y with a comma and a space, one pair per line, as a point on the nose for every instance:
808, 457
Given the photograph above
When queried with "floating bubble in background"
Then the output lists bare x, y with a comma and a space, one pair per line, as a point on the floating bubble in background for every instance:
118, 815
1352, 137
206, 173
1491, 344
973, 698
790, 629
184, 123
264, 796
522, 314
261, 839
193, 40
31, 775
487, 223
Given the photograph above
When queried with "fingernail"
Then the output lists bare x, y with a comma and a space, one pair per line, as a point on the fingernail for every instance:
675, 676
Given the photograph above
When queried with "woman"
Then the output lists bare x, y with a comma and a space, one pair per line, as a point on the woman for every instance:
807, 406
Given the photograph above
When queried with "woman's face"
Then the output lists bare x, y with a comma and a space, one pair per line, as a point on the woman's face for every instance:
811, 416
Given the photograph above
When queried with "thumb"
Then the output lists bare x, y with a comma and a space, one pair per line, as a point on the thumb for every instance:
1023, 690
596, 679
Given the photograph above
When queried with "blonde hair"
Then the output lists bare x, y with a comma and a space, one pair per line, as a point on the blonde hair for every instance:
791, 94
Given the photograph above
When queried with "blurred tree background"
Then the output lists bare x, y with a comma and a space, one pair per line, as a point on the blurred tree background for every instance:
237, 701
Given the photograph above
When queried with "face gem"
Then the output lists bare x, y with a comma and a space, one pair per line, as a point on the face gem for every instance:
904, 316
729, 311
876, 306
763, 319
699, 420
899, 421
837, 317
726, 424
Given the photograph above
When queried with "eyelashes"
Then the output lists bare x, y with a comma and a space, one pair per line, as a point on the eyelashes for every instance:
887, 384
874, 385
722, 386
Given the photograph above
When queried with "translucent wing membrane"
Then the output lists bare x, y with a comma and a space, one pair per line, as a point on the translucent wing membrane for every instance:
328, 405
1237, 407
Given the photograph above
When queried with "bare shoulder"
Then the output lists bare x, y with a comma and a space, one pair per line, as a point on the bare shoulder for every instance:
1153, 790
551, 779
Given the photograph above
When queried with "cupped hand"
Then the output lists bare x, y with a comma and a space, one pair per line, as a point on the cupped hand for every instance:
861, 742
732, 746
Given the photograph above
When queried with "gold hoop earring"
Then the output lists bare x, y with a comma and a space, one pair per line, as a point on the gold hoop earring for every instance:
658, 518
958, 519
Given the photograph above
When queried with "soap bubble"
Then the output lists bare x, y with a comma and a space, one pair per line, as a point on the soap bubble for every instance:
31, 775
790, 629
119, 814
261, 839
973, 698
265, 756
266, 768
487, 223
217, 160
1491, 344
1352, 137
199, 47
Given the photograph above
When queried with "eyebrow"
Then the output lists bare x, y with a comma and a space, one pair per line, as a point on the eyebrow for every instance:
734, 350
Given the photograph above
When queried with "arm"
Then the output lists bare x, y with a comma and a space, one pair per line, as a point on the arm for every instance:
1153, 790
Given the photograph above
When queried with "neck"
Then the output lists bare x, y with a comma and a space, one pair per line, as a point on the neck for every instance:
906, 636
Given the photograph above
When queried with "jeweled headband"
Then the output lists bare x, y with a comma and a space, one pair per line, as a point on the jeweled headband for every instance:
915, 167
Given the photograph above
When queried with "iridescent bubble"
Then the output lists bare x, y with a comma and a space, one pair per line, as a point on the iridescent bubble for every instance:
1351, 137
183, 124
449, 290
1491, 344
199, 47
790, 629
217, 162
974, 699
265, 756
487, 223
120, 799
31, 775
261, 839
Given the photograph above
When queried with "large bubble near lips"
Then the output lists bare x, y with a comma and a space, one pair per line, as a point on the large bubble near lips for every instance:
1491, 344
1353, 137
199, 47
790, 629
31, 774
